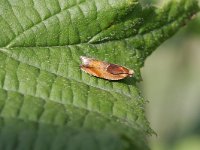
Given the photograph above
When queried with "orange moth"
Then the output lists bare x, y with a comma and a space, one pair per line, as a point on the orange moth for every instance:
104, 70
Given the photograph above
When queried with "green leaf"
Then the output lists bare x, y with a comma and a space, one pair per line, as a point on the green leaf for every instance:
47, 102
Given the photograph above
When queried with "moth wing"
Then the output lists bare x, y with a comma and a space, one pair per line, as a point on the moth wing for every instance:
91, 70
116, 69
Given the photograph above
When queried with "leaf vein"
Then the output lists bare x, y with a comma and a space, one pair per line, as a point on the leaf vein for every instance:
8, 45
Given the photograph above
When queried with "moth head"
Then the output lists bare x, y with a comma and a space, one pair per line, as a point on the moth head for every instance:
85, 60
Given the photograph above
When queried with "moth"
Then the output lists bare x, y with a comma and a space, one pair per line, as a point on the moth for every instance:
104, 70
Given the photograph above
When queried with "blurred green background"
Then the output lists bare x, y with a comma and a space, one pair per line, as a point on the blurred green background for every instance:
172, 86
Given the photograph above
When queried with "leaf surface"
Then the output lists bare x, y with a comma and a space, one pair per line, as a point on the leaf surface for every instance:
47, 102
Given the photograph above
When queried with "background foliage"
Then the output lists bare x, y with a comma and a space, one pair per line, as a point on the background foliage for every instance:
173, 89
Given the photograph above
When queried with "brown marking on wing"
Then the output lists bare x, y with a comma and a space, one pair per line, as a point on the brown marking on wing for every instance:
116, 69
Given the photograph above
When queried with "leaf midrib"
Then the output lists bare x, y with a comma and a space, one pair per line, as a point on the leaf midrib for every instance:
102, 42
